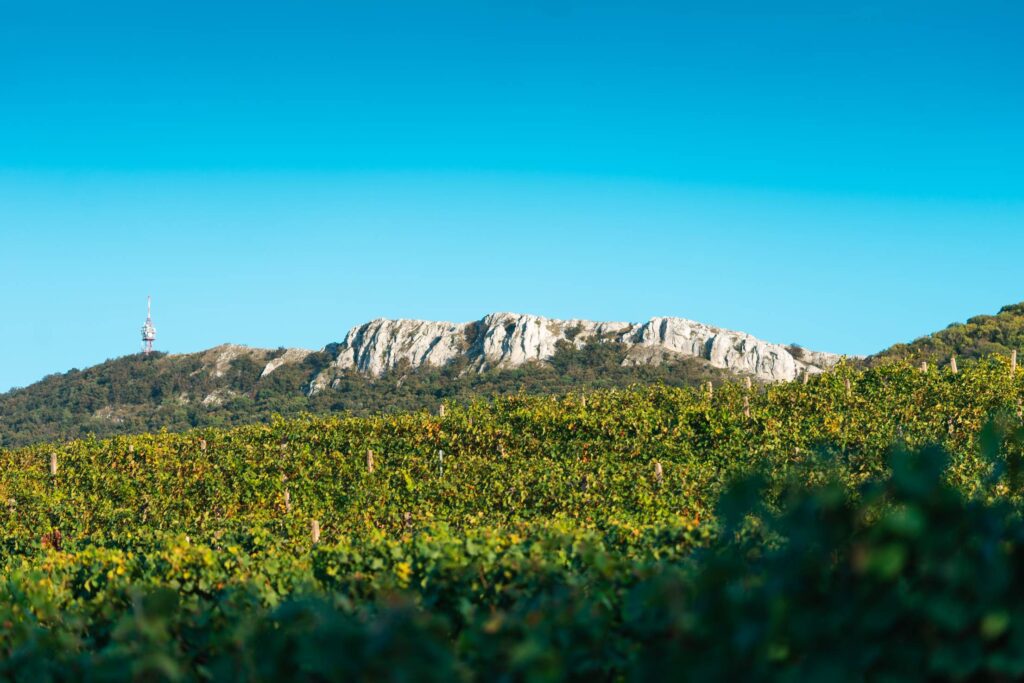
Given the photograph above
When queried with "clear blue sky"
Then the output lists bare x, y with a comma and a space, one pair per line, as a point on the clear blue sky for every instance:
841, 175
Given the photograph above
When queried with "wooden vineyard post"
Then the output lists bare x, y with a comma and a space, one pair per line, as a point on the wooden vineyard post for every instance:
659, 473
952, 365
314, 531
202, 445
441, 411
746, 406
287, 494
1013, 363
369, 460
53, 463
807, 377
849, 390
924, 366
711, 390
440, 462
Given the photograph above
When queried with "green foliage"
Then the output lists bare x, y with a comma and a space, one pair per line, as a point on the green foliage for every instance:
586, 457
870, 532
980, 336
907, 580
137, 394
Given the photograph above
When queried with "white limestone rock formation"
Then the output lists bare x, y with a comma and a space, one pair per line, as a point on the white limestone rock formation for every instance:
382, 345
217, 361
287, 358
505, 340
736, 351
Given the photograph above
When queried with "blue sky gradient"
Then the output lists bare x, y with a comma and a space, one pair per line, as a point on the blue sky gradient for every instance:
274, 173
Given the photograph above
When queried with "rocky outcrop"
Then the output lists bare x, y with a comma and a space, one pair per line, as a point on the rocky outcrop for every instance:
736, 351
382, 345
288, 357
218, 360
501, 340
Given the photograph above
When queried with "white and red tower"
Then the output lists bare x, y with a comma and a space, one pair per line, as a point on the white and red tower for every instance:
148, 330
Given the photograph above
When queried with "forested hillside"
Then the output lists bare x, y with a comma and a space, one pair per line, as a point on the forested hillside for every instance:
979, 336
139, 393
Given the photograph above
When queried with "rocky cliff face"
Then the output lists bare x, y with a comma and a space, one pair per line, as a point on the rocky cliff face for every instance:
231, 384
502, 340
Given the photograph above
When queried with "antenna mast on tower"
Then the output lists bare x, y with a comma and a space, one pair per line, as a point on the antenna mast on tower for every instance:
148, 330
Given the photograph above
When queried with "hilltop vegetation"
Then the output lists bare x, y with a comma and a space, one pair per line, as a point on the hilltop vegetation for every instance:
611, 535
980, 336
138, 394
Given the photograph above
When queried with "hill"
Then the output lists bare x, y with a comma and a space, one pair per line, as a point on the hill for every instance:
386, 366
981, 335
228, 386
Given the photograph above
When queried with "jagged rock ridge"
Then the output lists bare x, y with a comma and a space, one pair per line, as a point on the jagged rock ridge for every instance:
502, 340
233, 384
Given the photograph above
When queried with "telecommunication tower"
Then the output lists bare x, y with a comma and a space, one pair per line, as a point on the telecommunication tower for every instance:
148, 330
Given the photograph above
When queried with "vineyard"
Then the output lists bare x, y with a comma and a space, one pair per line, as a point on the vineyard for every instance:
864, 523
